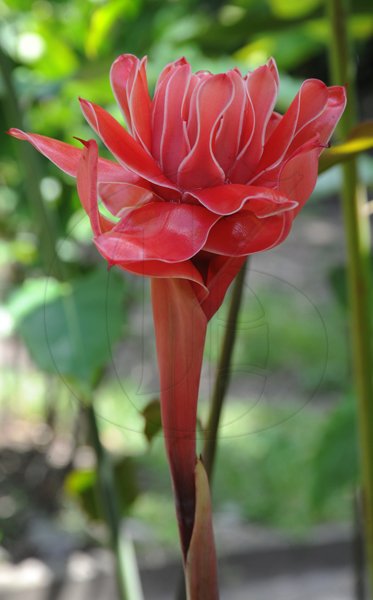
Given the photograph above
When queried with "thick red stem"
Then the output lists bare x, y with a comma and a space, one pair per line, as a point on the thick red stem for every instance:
180, 329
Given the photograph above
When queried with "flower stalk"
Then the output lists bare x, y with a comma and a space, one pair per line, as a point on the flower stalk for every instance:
223, 374
358, 268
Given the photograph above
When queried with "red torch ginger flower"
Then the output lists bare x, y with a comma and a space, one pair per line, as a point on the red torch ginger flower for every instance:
205, 174
206, 170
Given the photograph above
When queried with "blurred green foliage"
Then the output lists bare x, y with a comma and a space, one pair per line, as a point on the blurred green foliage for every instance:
336, 466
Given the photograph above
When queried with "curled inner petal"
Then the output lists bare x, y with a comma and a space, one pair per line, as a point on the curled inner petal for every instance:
214, 94
229, 199
157, 231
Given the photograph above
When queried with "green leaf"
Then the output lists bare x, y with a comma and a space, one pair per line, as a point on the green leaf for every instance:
69, 328
359, 140
291, 47
293, 9
336, 458
152, 416
297, 42
82, 485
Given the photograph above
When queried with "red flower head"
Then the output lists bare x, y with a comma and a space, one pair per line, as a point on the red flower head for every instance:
206, 174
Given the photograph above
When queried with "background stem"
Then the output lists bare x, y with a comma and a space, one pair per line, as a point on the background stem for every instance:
126, 566
358, 267
223, 374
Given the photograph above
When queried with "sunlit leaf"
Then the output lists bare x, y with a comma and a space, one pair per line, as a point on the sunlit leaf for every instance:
359, 140
296, 43
291, 47
103, 20
80, 480
293, 9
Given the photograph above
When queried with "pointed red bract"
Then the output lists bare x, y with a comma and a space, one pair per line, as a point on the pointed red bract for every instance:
200, 569
67, 157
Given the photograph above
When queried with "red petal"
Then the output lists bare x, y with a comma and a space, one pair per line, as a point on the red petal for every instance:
221, 272
158, 104
306, 106
228, 199
119, 196
243, 233
140, 107
180, 329
200, 168
158, 231
122, 145
271, 64
262, 91
167, 71
130, 87
173, 143
299, 175
325, 123
67, 157
189, 109
226, 143
272, 124
157, 268
122, 74
87, 187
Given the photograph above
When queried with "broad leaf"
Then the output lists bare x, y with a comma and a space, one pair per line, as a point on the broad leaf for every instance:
69, 329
